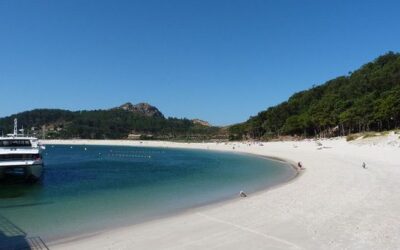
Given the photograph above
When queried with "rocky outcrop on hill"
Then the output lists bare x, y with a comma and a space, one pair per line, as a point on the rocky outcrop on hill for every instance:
142, 108
201, 122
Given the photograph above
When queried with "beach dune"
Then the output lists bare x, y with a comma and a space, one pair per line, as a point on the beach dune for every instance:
334, 204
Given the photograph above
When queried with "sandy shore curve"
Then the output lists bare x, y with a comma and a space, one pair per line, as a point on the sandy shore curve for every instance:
335, 204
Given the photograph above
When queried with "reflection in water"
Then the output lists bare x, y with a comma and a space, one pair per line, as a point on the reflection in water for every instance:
20, 188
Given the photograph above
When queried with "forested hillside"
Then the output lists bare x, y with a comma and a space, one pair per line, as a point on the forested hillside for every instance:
116, 123
366, 99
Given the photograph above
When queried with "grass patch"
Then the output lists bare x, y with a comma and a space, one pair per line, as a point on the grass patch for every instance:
365, 135
352, 137
370, 134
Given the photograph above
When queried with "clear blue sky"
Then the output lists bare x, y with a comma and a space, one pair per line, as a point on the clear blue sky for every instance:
217, 60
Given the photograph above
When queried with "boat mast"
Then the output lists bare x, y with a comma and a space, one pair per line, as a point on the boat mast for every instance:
15, 127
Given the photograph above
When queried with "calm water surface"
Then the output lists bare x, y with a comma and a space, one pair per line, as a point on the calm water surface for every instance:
89, 188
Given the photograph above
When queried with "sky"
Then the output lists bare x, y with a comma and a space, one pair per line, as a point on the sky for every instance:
220, 61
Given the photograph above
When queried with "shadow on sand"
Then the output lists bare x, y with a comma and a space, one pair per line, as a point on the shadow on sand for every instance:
14, 238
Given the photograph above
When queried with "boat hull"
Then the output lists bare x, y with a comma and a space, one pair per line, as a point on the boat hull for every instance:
32, 171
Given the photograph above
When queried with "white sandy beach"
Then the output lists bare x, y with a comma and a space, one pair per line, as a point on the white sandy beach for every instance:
333, 204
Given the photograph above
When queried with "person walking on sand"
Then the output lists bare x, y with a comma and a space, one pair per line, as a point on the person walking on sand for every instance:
364, 165
300, 165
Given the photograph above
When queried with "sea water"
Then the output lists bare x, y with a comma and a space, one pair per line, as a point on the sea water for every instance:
92, 188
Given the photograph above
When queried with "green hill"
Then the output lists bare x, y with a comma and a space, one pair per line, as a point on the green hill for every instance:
137, 121
366, 99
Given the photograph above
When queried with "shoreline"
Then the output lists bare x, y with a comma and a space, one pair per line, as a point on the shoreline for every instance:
325, 208
195, 208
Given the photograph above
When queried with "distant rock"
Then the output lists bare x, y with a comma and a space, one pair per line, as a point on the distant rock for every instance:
201, 122
142, 108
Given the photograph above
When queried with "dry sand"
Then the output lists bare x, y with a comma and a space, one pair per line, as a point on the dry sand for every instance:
334, 204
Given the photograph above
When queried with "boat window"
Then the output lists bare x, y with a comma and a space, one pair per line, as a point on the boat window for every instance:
15, 143
8, 157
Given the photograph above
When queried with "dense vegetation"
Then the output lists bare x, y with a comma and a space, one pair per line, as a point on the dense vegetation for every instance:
106, 124
367, 99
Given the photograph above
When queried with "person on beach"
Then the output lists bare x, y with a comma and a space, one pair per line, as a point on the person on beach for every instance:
300, 165
364, 165
242, 194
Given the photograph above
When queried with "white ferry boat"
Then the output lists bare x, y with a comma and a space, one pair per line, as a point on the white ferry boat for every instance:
20, 156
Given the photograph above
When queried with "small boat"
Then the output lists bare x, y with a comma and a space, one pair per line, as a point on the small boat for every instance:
20, 156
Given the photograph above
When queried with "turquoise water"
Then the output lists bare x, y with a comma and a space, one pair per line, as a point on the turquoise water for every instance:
91, 188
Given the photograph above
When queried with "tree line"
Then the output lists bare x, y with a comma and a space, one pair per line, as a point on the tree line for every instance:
105, 124
367, 99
